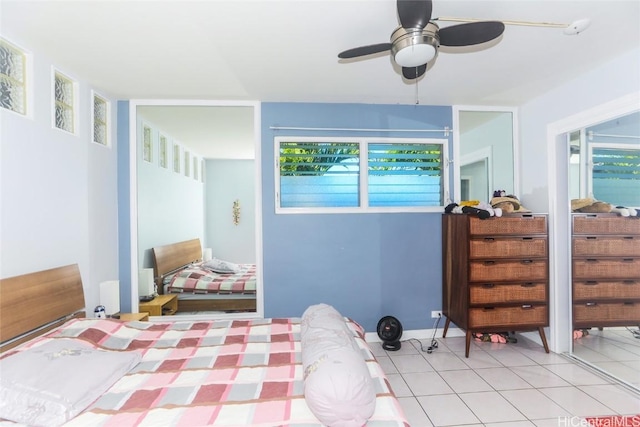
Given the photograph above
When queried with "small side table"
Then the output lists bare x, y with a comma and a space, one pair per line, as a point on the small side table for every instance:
162, 305
128, 317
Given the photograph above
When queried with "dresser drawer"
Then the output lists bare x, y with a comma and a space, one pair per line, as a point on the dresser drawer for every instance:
508, 270
594, 224
491, 293
623, 246
508, 247
509, 225
601, 313
498, 317
592, 290
604, 268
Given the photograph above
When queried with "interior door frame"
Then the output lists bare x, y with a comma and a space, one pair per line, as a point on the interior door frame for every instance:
133, 190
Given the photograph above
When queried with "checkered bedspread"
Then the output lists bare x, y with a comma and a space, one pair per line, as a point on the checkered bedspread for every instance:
200, 281
222, 373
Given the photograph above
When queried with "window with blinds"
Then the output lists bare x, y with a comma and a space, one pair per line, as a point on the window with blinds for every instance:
615, 174
325, 175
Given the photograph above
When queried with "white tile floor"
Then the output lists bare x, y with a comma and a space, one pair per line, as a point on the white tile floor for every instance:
507, 385
615, 350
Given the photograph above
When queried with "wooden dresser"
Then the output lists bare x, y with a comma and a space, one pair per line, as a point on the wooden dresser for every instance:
495, 274
605, 270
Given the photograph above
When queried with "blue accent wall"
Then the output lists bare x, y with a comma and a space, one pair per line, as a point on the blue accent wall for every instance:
124, 207
365, 265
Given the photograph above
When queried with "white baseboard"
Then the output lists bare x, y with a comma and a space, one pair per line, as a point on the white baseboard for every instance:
419, 334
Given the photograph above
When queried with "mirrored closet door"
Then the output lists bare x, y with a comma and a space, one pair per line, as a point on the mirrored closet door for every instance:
604, 166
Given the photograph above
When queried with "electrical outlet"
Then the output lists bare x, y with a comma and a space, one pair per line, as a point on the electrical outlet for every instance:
436, 313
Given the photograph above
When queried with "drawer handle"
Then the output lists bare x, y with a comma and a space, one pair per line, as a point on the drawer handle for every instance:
489, 239
489, 262
527, 216
591, 283
527, 306
591, 304
627, 260
629, 282
592, 238
527, 238
488, 308
628, 237
488, 285
528, 285
527, 261
593, 260
628, 303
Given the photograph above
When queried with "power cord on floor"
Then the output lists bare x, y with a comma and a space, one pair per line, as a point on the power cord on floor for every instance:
434, 343
635, 333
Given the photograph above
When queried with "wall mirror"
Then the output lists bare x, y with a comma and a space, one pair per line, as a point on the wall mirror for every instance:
487, 147
195, 165
604, 164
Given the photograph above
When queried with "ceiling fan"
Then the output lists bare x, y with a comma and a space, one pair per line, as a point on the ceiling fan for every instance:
414, 44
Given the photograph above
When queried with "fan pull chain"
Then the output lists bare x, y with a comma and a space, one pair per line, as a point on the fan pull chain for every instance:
417, 98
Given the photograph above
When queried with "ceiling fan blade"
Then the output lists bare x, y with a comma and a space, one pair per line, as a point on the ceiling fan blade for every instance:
411, 73
471, 33
364, 50
414, 13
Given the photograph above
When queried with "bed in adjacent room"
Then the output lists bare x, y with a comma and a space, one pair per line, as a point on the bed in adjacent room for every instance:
214, 285
310, 371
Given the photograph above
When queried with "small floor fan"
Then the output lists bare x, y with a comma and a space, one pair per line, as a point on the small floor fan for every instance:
390, 332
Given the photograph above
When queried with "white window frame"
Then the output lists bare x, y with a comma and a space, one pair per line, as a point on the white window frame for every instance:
176, 156
363, 177
107, 126
74, 106
27, 83
163, 150
151, 157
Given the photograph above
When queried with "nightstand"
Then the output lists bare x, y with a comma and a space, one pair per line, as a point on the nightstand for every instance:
128, 317
162, 305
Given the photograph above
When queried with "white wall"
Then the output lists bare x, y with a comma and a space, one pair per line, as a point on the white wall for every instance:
58, 198
227, 181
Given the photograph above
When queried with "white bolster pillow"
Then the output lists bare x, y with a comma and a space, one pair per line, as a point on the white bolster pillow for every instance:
337, 387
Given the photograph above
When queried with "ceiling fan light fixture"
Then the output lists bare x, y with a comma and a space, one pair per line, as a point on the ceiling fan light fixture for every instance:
415, 55
414, 47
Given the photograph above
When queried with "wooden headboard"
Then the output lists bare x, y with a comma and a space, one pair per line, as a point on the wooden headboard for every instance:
169, 258
30, 301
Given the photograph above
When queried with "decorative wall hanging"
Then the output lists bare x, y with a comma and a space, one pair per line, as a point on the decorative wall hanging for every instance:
236, 212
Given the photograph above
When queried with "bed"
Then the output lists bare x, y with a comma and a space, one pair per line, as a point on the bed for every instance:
231, 291
257, 372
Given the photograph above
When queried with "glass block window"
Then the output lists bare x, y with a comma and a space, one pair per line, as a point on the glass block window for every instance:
176, 158
147, 144
64, 94
100, 117
163, 151
13, 76
187, 163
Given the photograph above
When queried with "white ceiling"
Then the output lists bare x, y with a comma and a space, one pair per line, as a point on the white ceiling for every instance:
286, 50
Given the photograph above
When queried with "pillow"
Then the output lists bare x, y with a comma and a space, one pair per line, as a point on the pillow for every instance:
338, 387
49, 384
220, 266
